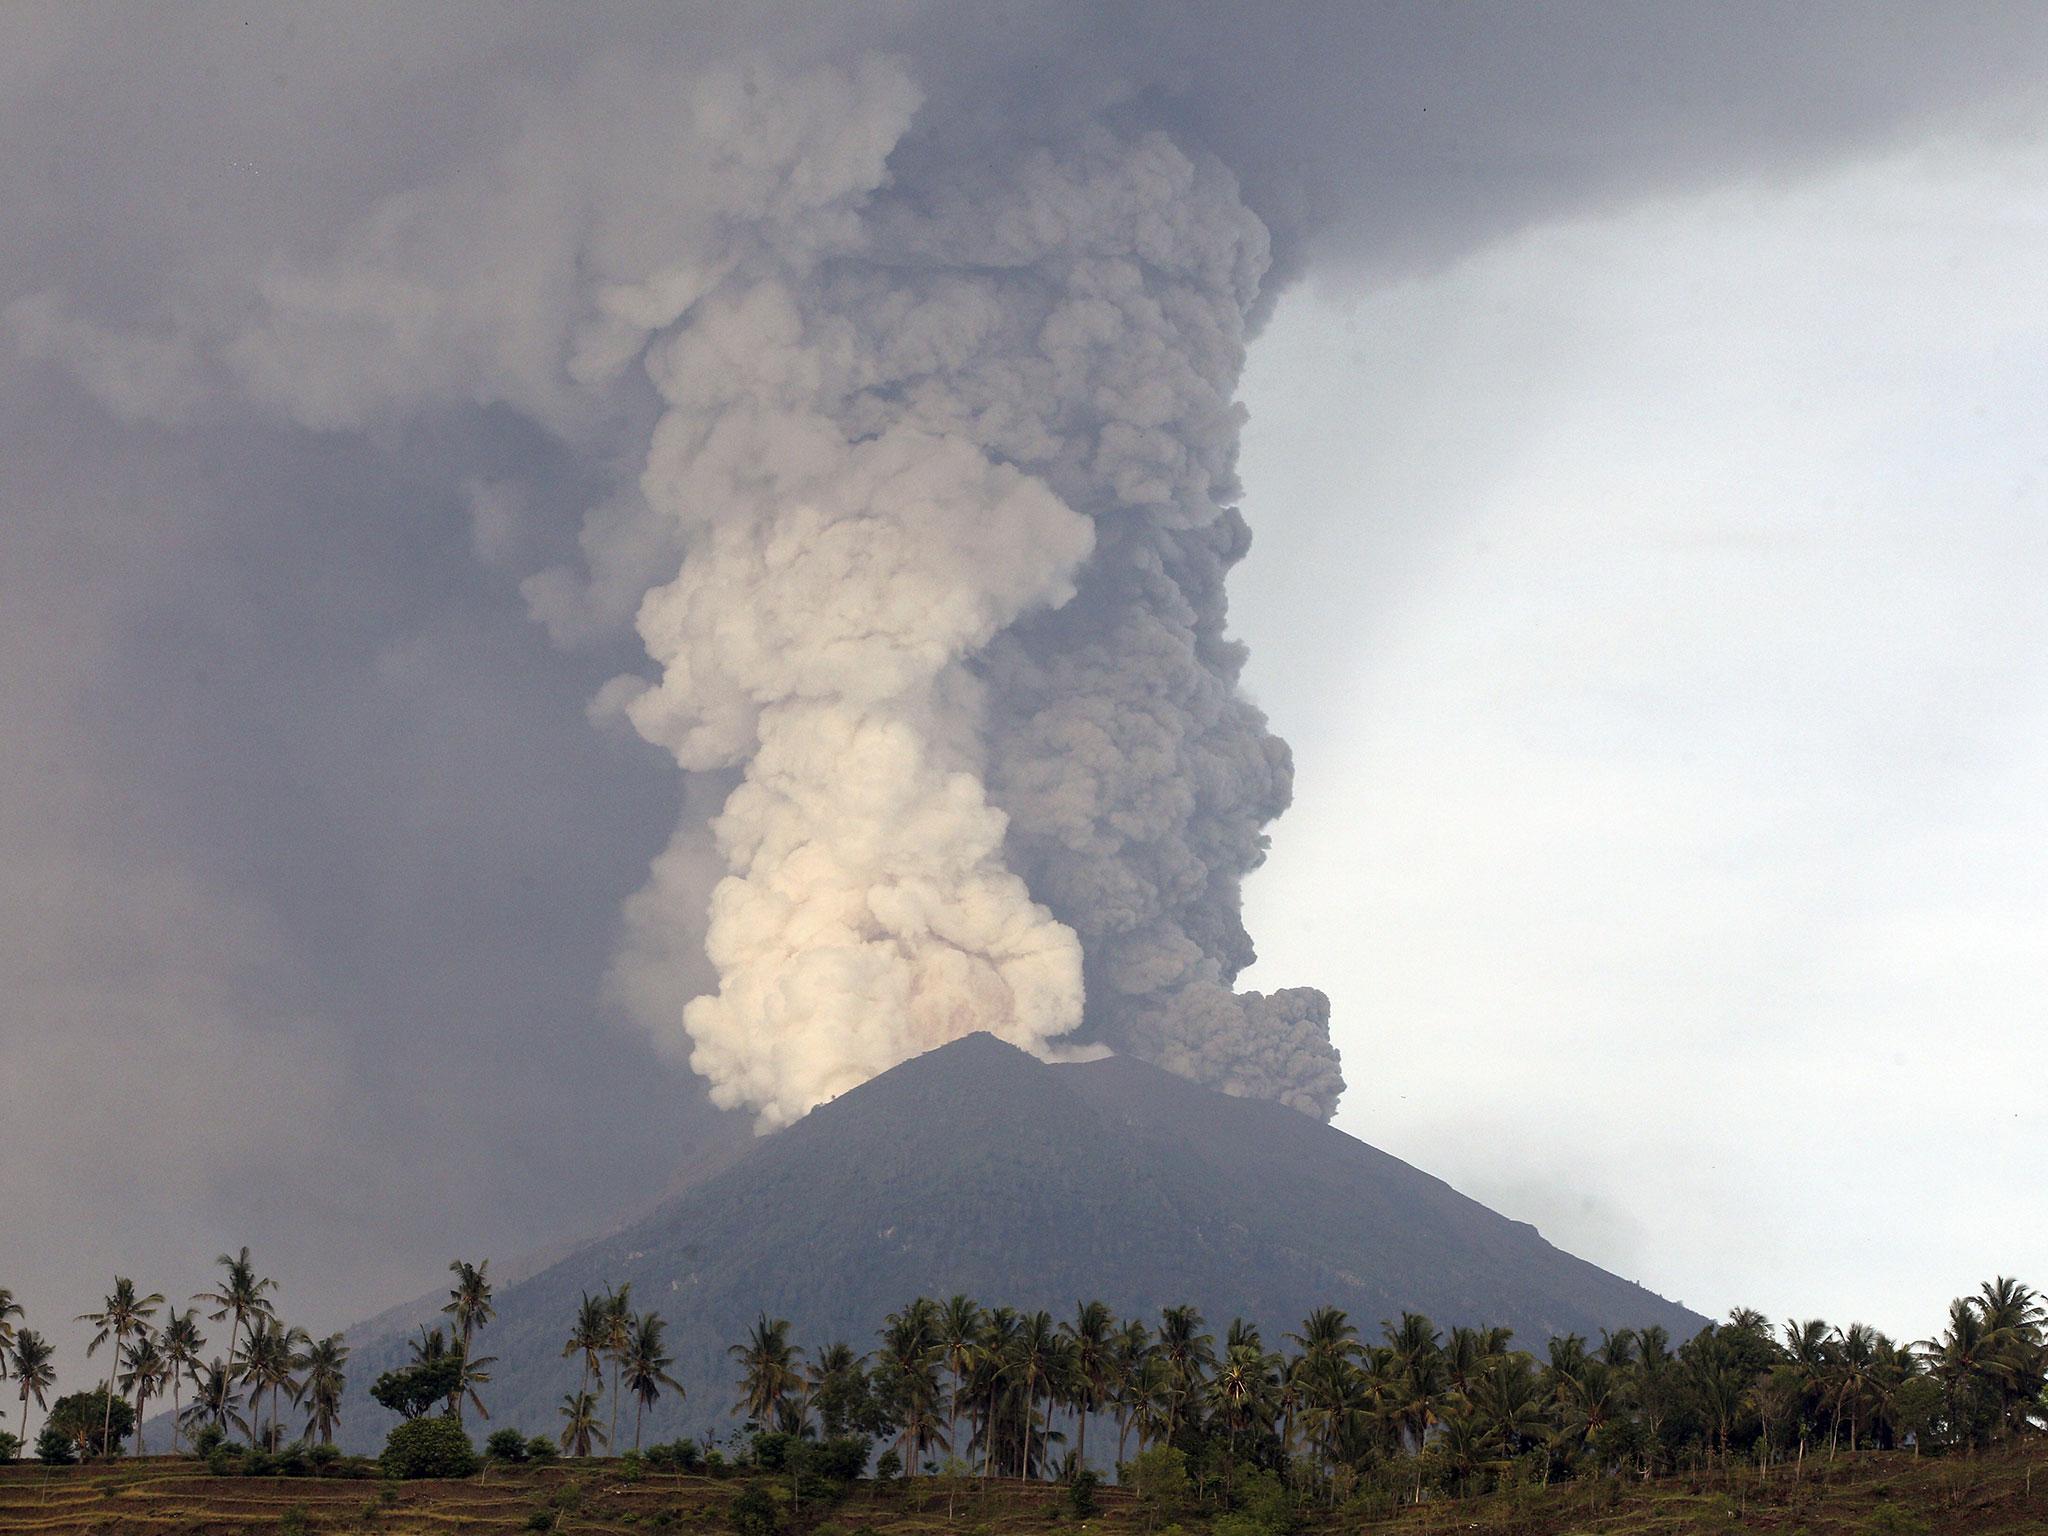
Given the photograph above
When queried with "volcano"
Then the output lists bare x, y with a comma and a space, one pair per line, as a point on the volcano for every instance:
977, 1168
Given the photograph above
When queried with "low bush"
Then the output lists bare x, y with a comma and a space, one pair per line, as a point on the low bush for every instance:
1081, 1494
54, 1447
541, 1449
754, 1512
208, 1440
434, 1447
507, 1445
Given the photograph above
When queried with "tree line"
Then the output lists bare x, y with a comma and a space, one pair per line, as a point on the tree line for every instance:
993, 1391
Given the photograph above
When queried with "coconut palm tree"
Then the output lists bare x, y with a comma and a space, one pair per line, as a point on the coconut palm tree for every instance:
9, 1310
270, 1360
143, 1374
243, 1298
181, 1344
580, 1428
123, 1314
470, 1305
587, 1337
618, 1338
959, 1327
768, 1371
33, 1373
907, 1368
323, 1385
1089, 1336
1130, 1351
1188, 1353
647, 1366
215, 1400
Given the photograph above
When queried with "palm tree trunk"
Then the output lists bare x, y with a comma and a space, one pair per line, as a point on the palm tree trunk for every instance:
613, 1438
1081, 1433
107, 1426
141, 1397
639, 1413
174, 1411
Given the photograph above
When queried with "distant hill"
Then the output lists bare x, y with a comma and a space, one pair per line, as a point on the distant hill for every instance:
979, 1169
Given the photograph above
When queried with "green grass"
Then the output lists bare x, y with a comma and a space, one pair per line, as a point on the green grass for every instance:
1874, 1494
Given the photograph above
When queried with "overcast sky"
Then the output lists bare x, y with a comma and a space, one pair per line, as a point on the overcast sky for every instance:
1648, 504
1654, 603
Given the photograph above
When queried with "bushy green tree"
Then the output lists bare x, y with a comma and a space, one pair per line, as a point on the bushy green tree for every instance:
95, 1423
507, 1445
428, 1447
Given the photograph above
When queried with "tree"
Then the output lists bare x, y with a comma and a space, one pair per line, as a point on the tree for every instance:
588, 1334
143, 1373
33, 1373
959, 1328
92, 1423
768, 1370
324, 1385
9, 1310
241, 1298
647, 1366
123, 1314
579, 1424
470, 1305
618, 1338
428, 1448
215, 1401
907, 1377
269, 1363
181, 1344
1090, 1337
412, 1390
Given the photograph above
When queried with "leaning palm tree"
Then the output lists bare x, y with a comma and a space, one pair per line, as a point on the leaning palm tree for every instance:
959, 1327
647, 1366
215, 1401
242, 1298
32, 1371
270, 1363
323, 1385
579, 1424
469, 1304
768, 1369
181, 1342
144, 1372
123, 1315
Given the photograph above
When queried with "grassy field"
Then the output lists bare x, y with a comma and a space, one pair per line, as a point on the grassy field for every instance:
1870, 1495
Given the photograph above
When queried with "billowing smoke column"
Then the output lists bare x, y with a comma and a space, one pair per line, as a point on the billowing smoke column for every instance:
927, 548
953, 499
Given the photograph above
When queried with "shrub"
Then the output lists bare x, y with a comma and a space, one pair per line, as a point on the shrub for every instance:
540, 1448
83, 1419
889, 1466
661, 1457
54, 1447
1081, 1494
1890, 1520
324, 1455
714, 1463
840, 1460
541, 1520
208, 1440
632, 1467
428, 1448
291, 1461
506, 1445
10, 1446
294, 1522
1160, 1478
224, 1460
754, 1512
258, 1463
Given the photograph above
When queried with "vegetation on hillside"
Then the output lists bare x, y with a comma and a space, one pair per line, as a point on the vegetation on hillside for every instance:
1194, 1423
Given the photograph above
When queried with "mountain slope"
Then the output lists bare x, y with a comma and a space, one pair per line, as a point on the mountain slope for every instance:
977, 1168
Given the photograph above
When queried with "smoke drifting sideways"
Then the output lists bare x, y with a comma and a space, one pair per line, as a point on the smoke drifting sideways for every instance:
926, 545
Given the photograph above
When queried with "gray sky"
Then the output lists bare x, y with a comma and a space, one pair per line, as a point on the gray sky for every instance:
1647, 495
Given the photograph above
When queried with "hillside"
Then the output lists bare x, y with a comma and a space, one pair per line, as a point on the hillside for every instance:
977, 1168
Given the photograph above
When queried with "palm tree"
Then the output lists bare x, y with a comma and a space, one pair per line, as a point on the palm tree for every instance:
1130, 1350
1031, 1361
323, 1385
9, 1310
122, 1315
587, 1336
907, 1367
1188, 1353
32, 1371
469, 1304
768, 1370
215, 1400
145, 1371
242, 1298
618, 1338
1089, 1336
1244, 1391
647, 1367
579, 1424
959, 1326
269, 1362
182, 1343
